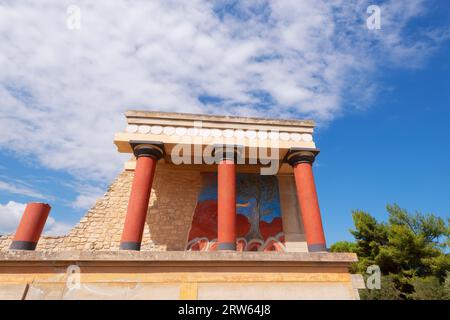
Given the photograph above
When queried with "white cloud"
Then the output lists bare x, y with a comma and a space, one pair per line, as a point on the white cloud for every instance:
11, 212
56, 228
63, 91
20, 190
10, 215
87, 196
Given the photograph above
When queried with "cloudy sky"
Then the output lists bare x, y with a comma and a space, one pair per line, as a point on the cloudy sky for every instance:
63, 90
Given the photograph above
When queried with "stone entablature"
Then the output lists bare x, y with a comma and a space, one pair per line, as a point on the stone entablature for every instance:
200, 131
138, 120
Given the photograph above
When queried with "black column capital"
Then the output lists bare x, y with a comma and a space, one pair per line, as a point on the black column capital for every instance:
153, 149
301, 155
227, 152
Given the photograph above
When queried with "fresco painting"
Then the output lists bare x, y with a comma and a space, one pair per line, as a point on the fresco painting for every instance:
258, 220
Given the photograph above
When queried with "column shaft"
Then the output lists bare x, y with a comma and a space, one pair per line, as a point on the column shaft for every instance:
30, 226
226, 212
309, 206
138, 203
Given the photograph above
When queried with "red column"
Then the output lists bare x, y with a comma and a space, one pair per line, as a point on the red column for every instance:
30, 226
307, 197
146, 158
226, 211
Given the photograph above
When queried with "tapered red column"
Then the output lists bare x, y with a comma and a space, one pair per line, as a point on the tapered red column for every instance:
226, 200
301, 161
30, 227
147, 155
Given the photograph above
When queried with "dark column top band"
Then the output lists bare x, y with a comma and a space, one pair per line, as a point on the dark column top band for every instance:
226, 152
296, 156
154, 149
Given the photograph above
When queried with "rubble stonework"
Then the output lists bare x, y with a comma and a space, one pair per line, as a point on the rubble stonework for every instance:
171, 207
5, 241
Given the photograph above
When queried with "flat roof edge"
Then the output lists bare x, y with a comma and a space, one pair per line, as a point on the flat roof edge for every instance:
217, 118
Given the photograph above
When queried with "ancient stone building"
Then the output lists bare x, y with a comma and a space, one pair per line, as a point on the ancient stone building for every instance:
207, 207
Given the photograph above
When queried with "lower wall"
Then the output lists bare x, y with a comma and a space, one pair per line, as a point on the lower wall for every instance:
176, 275
126, 290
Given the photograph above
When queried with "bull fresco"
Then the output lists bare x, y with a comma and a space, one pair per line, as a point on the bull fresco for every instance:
258, 220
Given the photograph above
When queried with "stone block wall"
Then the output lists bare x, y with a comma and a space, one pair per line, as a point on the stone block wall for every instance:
172, 205
5, 241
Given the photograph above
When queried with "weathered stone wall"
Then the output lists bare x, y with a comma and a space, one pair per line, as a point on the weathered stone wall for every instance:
172, 204
46, 243
5, 241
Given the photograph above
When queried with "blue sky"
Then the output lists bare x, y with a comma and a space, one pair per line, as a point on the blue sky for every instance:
380, 97
398, 151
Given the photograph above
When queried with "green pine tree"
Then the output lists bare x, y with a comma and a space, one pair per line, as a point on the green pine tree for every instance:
410, 249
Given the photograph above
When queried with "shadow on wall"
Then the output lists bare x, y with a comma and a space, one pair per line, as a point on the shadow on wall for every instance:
171, 208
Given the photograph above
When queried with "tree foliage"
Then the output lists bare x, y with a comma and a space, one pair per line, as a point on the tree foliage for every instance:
344, 246
410, 249
430, 288
387, 291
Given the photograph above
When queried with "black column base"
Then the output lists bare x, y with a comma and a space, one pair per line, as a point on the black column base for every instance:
23, 245
136, 246
318, 247
226, 246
